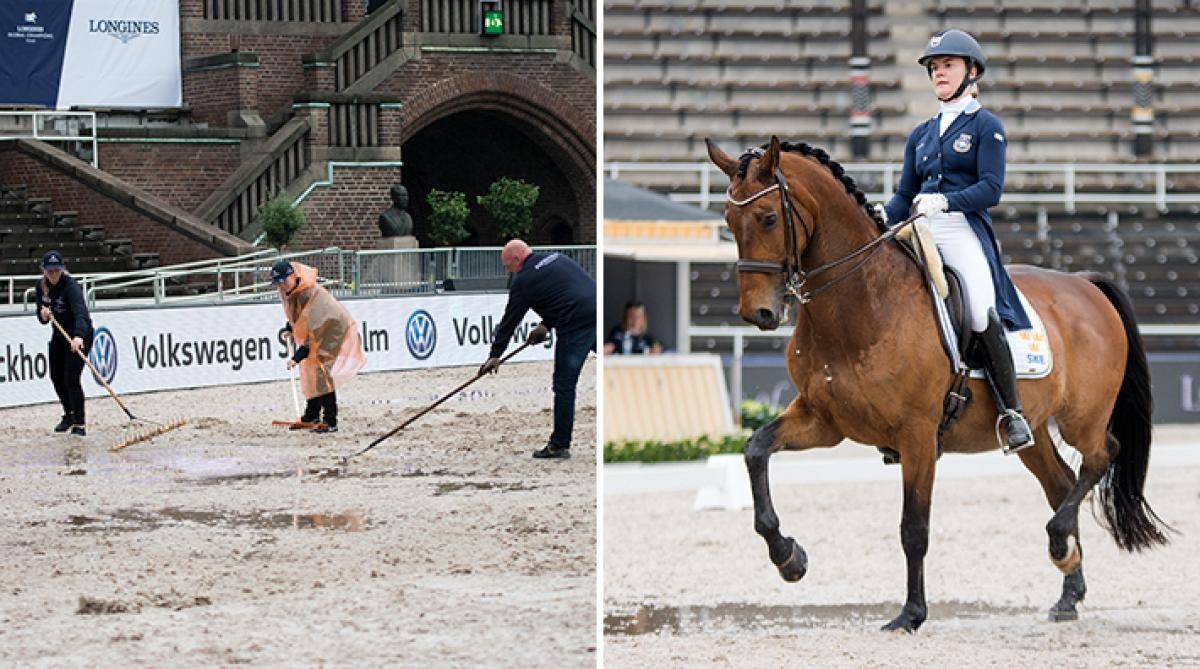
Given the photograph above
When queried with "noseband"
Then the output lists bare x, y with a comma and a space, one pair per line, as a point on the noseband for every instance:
795, 277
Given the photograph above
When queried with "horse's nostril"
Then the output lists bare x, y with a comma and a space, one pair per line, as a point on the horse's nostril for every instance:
765, 315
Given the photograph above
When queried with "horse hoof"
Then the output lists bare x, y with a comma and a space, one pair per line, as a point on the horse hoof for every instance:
1058, 615
796, 565
1070, 561
902, 623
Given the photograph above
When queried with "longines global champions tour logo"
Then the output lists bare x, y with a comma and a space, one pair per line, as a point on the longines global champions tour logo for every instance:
420, 334
104, 354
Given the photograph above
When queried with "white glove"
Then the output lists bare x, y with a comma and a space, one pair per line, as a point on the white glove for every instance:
881, 212
930, 204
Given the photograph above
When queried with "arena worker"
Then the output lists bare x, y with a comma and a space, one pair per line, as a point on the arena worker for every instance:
58, 294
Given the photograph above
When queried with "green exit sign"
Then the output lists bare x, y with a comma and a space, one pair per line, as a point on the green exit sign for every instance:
493, 22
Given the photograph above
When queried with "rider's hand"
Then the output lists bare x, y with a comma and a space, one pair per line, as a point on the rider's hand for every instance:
881, 212
930, 204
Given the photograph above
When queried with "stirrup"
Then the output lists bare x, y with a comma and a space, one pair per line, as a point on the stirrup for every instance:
1007, 448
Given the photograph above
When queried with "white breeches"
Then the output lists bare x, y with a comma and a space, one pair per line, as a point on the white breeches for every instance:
961, 250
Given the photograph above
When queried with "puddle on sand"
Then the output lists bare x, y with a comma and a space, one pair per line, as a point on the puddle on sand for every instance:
455, 486
135, 520
692, 619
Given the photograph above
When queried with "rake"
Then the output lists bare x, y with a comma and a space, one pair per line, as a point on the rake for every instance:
431, 407
297, 424
137, 429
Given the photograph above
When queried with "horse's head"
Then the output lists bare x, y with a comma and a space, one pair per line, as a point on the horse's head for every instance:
771, 229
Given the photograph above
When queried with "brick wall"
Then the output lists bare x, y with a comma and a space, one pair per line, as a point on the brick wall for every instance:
183, 174
119, 221
344, 214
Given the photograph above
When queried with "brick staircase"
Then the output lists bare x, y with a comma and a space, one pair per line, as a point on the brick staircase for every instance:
29, 227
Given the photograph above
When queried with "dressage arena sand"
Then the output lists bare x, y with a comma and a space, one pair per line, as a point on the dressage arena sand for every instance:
232, 542
688, 588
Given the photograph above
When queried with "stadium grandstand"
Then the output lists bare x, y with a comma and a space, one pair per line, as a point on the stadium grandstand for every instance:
316, 101
1099, 98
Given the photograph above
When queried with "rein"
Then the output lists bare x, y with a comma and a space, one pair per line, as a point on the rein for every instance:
795, 276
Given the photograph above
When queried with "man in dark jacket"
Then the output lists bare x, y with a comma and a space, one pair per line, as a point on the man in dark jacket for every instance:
564, 296
59, 296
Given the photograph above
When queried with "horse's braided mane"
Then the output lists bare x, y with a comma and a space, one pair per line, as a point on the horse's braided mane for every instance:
822, 157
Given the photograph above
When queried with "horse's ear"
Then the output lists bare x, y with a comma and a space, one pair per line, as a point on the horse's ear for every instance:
770, 160
721, 159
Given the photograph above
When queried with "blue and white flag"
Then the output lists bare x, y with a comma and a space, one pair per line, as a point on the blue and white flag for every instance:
90, 53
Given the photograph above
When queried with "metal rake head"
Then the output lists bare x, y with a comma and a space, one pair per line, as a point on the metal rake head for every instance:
142, 430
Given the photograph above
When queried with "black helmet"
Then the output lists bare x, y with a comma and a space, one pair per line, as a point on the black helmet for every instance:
955, 43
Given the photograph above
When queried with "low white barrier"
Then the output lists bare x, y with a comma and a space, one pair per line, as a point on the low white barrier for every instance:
140, 350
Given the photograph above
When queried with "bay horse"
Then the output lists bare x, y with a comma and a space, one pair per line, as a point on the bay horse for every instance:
868, 365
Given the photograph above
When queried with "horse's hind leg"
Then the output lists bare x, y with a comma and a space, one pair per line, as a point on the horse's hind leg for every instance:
793, 430
1064, 493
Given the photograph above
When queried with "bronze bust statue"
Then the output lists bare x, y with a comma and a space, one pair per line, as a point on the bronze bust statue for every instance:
396, 221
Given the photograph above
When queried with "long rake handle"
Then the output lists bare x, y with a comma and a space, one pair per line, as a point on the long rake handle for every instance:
292, 376
95, 372
438, 403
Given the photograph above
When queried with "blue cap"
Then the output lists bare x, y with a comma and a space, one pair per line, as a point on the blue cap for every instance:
53, 260
280, 271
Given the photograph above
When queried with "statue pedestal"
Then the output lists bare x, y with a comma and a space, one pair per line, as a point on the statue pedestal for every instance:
399, 272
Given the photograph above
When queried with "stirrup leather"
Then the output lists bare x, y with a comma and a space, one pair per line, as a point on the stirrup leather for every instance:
1008, 448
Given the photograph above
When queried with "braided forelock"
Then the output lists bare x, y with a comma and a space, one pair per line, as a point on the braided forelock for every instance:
835, 168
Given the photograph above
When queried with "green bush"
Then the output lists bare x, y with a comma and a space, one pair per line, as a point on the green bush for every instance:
447, 222
758, 414
280, 221
510, 202
668, 451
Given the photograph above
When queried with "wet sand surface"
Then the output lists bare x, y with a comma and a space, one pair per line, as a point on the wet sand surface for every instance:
231, 542
686, 588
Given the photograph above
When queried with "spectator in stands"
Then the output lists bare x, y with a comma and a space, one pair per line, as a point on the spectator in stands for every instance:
953, 173
563, 294
60, 298
630, 335
329, 352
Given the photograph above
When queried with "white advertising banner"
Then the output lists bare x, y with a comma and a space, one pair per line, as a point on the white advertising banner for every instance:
140, 350
122, 53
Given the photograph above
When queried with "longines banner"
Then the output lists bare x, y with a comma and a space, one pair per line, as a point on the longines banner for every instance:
89, 53
160, 349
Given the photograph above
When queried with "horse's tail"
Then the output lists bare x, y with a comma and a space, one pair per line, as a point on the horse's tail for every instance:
1126, 513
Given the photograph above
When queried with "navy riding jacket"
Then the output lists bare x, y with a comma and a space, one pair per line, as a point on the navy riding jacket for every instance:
966, 164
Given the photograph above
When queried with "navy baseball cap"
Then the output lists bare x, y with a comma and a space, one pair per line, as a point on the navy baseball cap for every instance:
280, 271
53, 260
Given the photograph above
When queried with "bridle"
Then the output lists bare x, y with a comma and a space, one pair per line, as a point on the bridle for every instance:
795, 277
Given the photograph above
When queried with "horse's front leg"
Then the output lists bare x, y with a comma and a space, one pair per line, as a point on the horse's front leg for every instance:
794, 429
918, 465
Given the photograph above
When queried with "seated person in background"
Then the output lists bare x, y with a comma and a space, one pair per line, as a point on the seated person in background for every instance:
630, 335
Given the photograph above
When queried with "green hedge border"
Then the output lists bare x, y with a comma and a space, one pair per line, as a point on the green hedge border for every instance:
754, 416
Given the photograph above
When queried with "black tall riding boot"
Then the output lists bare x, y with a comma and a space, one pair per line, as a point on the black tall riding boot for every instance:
1003, 379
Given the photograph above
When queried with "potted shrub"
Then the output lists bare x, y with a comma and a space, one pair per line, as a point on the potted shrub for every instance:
510, 202
448, 216
280, 221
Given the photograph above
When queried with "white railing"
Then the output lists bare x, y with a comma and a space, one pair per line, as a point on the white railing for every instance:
346, 273
1064, 186
51, 126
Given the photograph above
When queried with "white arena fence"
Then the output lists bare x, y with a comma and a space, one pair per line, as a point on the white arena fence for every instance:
163, 348
1063, 184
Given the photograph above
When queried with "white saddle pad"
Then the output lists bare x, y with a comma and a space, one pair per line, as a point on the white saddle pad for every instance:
1030, 348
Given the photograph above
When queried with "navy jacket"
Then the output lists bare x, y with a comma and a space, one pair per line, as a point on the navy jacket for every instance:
561, 292
65, 300
966, 164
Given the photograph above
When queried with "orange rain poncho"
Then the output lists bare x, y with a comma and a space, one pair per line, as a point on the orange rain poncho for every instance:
334, 350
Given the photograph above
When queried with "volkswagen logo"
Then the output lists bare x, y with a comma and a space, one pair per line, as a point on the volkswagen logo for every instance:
420, 334
104, 355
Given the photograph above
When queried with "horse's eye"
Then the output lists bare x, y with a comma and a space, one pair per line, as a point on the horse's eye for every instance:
769, 220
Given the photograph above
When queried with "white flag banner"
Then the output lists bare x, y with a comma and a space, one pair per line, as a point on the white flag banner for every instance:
122, 53
138, 350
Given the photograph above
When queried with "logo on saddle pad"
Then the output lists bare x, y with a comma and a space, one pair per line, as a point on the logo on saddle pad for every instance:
963, 143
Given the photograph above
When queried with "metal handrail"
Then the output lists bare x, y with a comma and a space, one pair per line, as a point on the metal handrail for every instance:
40, 136
1067, 193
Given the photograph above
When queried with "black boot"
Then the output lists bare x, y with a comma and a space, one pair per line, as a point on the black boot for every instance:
1003, 379
65, 424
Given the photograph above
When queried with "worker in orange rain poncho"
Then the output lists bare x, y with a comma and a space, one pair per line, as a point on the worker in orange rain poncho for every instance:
328, 349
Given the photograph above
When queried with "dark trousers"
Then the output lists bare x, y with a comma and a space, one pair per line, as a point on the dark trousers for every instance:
570, 352
326, 403
66, 371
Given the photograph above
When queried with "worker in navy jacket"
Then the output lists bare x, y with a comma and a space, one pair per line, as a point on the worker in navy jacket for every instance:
953, 173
